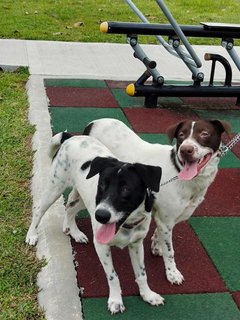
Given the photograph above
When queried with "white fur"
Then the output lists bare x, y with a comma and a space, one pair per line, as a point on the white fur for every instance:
175, 201
66, 171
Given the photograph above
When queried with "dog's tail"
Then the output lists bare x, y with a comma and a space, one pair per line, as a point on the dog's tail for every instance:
55, 143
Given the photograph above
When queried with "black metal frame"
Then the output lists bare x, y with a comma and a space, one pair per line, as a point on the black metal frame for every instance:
157, 88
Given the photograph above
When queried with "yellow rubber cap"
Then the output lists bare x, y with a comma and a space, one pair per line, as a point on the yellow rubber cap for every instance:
130, 89
104, 27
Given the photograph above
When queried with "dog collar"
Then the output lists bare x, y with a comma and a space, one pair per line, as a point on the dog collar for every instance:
175, 160
134, 224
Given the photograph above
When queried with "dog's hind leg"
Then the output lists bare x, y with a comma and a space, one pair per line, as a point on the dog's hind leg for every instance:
74, 204
136, 252
50, 196
115, 303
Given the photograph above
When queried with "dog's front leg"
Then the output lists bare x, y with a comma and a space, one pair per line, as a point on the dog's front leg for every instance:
164, 234
115, 303
136, 252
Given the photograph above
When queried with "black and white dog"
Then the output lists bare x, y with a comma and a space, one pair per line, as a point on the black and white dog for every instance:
119, 201
194, 159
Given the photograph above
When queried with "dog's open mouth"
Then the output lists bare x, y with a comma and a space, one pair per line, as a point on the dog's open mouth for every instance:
105, 233
192, 169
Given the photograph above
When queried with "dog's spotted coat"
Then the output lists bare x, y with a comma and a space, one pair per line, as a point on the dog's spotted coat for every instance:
194, 158
118, 200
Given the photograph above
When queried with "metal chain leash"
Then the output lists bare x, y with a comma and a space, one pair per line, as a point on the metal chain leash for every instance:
223, 151
168, 181
230, 145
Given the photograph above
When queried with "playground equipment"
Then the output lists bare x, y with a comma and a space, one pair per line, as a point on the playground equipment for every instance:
176, 35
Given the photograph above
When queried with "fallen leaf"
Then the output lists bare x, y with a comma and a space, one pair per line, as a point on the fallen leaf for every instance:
78, 24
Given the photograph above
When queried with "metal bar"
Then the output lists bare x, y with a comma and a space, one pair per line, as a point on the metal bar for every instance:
159, 38
192, 68
141, 55
233, 54
167, 30
179, 32
229, 46
190, 91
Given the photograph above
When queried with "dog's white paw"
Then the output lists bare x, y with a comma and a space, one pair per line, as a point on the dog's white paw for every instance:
115, 305
31, 238
153, 298
174, 276
79, 236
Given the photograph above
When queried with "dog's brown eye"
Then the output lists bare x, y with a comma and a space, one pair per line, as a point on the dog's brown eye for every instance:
181, 135
204, 134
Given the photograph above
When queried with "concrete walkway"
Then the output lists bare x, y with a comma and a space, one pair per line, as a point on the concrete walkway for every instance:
59, 294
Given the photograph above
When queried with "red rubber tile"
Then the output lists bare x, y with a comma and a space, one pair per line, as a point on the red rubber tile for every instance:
210, 103
81, 97
236, 148
223, 196
156, 120
200, 274
236, 297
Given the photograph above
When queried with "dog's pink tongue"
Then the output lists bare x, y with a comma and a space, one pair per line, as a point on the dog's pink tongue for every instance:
106, 233
189, 171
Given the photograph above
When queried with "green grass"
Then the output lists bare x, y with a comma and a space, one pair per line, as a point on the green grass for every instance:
18, 263
56, 19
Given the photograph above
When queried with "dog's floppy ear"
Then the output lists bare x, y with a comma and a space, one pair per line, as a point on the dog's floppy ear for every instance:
151, 175
172, 131
98, 164
222, 126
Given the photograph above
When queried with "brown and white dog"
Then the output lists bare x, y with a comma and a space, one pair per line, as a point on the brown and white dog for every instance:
194, 159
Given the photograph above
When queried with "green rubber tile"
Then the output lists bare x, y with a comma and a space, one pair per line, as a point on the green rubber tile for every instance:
124, 100
155, 137
168, 100
229, 161
83, 83
75, 119
220, 238
218, 306
232, 116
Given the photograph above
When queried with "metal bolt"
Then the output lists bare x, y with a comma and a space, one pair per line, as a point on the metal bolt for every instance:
133, 42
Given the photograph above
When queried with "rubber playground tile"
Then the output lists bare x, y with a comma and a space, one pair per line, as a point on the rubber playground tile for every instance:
156, 120
124, 100
231, 159
235, 149
200, 274
218, 306
81, 97
211, 103
220, 238
74, 120
236, 297
223, 195
154, 137
83, 83
231, 116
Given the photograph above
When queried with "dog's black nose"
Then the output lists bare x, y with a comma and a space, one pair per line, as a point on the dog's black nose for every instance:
102, 216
